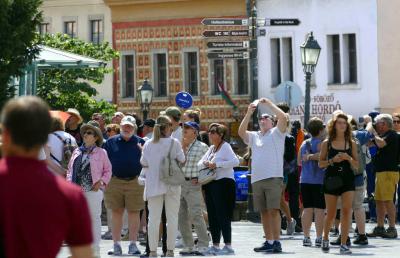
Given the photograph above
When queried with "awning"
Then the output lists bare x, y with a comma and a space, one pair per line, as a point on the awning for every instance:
51, 58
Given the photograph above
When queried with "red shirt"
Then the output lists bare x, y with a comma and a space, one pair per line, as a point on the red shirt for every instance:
39, 210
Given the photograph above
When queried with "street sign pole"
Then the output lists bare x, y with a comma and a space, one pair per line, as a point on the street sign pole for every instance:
251, 214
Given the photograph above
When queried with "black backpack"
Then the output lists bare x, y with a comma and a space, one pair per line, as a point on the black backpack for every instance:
289, 156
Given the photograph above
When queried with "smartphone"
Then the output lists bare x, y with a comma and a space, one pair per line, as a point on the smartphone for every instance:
361, 120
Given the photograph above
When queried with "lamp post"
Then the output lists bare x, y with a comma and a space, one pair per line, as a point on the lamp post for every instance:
310, 51
145, 97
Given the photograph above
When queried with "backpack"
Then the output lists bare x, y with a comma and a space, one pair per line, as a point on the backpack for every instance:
68, 149
289, 156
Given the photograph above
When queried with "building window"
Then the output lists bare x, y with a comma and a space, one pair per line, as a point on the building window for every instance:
70, 28
342, 59
218, 75
128, 76
191, 73
281, 60
160, 74
242, 77
352, 50
96, 31
44, 28
276, 78
334, 59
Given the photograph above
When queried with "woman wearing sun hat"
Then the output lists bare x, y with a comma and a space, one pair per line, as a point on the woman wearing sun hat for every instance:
90, 168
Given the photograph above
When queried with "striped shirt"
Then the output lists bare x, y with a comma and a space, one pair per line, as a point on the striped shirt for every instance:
194, 153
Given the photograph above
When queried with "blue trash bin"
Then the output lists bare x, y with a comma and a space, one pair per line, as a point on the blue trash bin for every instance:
242, 186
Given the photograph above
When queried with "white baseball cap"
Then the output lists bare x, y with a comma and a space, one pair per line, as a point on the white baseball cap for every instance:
128, 120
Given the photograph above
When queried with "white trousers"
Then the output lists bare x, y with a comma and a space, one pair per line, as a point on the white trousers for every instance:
155, 205
94, 200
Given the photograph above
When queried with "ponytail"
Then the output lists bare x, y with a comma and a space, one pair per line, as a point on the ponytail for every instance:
156, 133
162, 123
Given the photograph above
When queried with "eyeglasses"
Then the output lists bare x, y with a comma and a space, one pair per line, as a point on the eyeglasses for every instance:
88, 133
396, 121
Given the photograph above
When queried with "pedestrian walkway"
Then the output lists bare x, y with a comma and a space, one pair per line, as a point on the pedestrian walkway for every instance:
247, 235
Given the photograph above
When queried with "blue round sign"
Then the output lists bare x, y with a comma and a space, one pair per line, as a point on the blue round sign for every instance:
184, 100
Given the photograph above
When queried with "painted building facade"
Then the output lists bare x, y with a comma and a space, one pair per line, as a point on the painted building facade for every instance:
358, 64
88, 20
161, 40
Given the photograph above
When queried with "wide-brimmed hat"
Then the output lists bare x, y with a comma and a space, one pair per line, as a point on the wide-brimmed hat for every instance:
74, 112
93, 125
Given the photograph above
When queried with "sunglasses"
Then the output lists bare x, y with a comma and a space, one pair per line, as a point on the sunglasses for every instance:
88, 133
396, 121
265, 117
109, 130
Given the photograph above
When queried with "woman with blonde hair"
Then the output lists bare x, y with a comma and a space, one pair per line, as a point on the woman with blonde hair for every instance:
156, 192
338, 156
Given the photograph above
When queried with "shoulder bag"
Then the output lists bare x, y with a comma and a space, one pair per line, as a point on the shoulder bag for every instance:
171, 172
206, 175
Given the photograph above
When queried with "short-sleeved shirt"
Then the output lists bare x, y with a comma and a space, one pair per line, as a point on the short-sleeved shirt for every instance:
56, 146
124, 155
194, 153
39, 210
267, 154
387, 157
310, 171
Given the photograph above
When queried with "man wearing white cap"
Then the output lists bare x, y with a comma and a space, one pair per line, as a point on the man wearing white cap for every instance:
123, 191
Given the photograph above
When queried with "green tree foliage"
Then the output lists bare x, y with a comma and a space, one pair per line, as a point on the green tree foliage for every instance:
70, 88
18, 23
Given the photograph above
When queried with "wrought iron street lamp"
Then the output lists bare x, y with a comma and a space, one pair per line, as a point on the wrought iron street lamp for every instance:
145, 97
310, 51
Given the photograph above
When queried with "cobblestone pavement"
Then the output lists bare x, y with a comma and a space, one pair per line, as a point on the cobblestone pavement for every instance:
247, 235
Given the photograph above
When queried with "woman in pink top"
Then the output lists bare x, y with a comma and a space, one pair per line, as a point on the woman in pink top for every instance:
90, 168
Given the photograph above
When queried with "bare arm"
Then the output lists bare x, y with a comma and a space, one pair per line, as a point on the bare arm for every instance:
378, 140
282, 117
243, 133
323, 161
84, 251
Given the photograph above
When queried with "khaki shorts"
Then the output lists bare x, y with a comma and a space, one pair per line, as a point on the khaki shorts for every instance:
358, 199
267, 194
120, 194
385, 185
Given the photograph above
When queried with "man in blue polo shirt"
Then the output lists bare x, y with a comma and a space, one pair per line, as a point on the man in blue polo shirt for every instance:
123, 191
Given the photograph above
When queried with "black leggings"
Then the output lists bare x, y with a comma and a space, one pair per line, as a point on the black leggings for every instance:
220, 202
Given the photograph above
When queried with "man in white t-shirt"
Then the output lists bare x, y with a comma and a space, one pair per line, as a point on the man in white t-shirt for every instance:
55, 146
267, 146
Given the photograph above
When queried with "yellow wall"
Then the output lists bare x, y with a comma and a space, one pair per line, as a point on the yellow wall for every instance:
176, 9
389, 54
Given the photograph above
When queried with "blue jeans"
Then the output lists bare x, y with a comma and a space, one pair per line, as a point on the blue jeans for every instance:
371, 189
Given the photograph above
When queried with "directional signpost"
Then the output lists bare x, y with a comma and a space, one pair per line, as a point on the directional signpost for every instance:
226, 33
225, 22
278, 22
228, 44
229, 55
